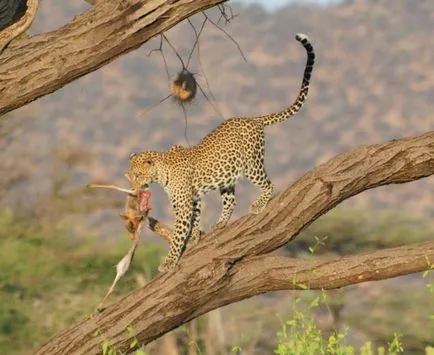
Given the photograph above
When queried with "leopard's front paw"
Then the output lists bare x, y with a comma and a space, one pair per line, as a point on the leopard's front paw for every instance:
195, 237
256, 208
168, 264
164, 267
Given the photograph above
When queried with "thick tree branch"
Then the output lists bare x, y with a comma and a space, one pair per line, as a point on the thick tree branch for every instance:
42, 64
265, 273
232, 264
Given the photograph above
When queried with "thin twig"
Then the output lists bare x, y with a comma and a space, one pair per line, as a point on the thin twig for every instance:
146, 110
160, 47
199, 59
224, 14
229, 36
166, 67
174, 50
186, 124
196, 42
210, 101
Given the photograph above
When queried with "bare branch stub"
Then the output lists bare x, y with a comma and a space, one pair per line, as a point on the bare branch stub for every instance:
232, 264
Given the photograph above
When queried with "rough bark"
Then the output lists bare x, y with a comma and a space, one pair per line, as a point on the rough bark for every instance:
30, 68
234, 263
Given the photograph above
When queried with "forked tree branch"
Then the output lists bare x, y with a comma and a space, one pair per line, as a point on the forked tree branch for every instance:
232, 264
30, 68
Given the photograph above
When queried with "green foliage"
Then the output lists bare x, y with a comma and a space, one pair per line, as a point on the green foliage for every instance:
139, 349
428, 275
350, 231
46, 284
108, 349
236, 349
300, 335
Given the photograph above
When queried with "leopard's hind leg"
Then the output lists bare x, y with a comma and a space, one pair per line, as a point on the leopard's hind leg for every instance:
196, 233
255, 172
229, 203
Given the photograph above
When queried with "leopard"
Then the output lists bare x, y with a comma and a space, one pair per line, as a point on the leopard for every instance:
234, 149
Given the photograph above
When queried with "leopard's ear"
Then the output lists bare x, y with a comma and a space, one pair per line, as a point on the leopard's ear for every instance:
132, 155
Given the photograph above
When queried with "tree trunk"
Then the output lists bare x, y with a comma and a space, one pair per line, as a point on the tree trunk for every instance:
232, 264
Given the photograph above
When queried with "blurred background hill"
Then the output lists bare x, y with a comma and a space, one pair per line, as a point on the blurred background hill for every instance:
373, 81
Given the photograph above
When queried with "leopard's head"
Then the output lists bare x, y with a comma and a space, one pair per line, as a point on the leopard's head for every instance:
141, 171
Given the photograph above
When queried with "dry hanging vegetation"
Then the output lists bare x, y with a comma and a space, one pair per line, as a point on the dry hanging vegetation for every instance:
234, 263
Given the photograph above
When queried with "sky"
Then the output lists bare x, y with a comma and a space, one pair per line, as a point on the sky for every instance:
275, 4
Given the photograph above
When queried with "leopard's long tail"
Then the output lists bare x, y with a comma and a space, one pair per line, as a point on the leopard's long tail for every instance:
301, 98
